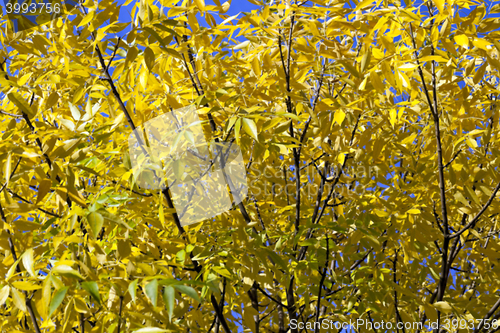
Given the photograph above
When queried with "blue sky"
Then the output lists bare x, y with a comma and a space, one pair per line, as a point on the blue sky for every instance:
236, 7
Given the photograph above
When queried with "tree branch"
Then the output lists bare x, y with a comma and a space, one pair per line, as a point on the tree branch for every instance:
18, 268
476, 218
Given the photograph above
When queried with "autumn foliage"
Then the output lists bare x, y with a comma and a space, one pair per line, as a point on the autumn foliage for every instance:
370, 135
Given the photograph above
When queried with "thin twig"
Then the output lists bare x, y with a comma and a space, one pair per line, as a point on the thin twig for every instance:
11, 114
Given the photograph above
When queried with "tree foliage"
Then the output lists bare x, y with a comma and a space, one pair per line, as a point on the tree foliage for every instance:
370, 133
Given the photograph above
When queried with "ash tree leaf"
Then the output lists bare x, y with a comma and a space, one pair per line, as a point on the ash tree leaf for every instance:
250, 128
57, 300
189, 291
28, 261
43, 189
241, 45
21, 103
4, 294
339, 117
132, 289
151, 330
152, 291
169, 299
75, 113
95, 221
149, 58
444, 307
19, 300
200, 4
93, 289
7, 167
67, 271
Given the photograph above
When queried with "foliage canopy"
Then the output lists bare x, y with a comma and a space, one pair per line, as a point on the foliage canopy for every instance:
370, 132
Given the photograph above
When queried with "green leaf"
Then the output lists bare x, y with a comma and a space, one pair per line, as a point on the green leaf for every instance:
93, 289
188, 291
169, 299
152, 291
57, 300
132, 288
95, 221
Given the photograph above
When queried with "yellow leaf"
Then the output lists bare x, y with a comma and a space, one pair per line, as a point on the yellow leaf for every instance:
95, 221
413, 211
52, 100
363, 84
241, 45
409, 139
22, 81
407, 67
313, 28
339, 117
43, 189
472, 194
481, 43
478, 76
162, 216
462, 40
341, 158
66, 270
225, 7
28, 261
471, 143
381, 213
179, 167
460, 197
21, 103
7, 167
149, 58
256, 66
435, 35
430, 312
77, 197
80, 305
377, 82
86, 19
4, 294
443, 307
19, 300
250, 128
24, 285
392, 118
143, 79
200, 4
434, 57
